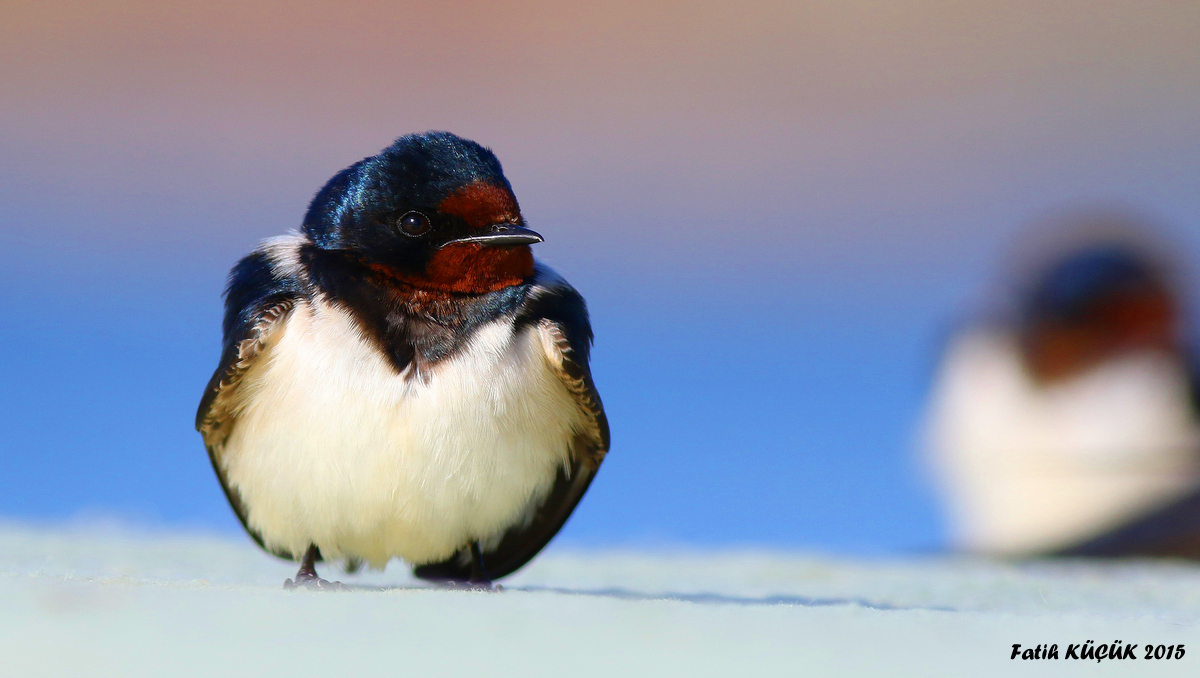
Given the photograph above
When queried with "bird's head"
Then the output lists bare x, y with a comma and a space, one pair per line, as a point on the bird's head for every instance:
1093, 305
433, 211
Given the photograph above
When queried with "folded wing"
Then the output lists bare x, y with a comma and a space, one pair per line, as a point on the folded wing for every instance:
257, 302
559, 313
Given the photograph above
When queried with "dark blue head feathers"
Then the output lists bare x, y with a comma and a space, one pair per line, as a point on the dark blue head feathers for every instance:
1071, 289
416, 172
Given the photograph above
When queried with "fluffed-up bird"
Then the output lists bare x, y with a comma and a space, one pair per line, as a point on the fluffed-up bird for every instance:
400, 378
1072, 426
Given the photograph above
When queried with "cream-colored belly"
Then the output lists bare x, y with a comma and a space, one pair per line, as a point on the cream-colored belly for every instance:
332, 447
1029, 469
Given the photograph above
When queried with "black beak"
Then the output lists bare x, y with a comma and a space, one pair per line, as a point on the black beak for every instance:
501, 235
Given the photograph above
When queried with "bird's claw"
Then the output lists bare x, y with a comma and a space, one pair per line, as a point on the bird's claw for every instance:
483, 586
313, 584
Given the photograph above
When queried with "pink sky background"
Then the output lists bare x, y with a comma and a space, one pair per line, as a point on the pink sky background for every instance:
874, 142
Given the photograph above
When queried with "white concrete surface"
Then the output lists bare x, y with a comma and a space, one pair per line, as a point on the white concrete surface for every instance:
102, 601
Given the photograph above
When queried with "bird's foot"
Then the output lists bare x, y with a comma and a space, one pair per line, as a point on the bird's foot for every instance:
307, 577
483, 585
313, 583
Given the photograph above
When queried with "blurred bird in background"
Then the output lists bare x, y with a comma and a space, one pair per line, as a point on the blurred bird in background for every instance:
401, 379
1068, 423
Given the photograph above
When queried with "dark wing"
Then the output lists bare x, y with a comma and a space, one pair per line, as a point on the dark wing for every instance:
1171, 531
559, 310
256, 303
1192, 357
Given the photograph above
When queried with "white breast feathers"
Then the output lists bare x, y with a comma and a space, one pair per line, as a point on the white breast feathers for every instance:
332, 447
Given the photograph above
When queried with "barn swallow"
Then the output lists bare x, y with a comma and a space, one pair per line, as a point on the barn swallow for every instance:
1071, 427
401, 378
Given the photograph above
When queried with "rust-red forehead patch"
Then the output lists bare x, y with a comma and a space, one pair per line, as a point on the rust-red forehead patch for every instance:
482, 204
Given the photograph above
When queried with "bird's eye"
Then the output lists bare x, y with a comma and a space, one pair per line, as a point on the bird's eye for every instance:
414, 224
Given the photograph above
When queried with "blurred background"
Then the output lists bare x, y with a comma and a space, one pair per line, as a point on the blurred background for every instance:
776, 210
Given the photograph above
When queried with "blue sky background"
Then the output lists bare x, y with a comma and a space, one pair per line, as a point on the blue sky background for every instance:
775, 211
